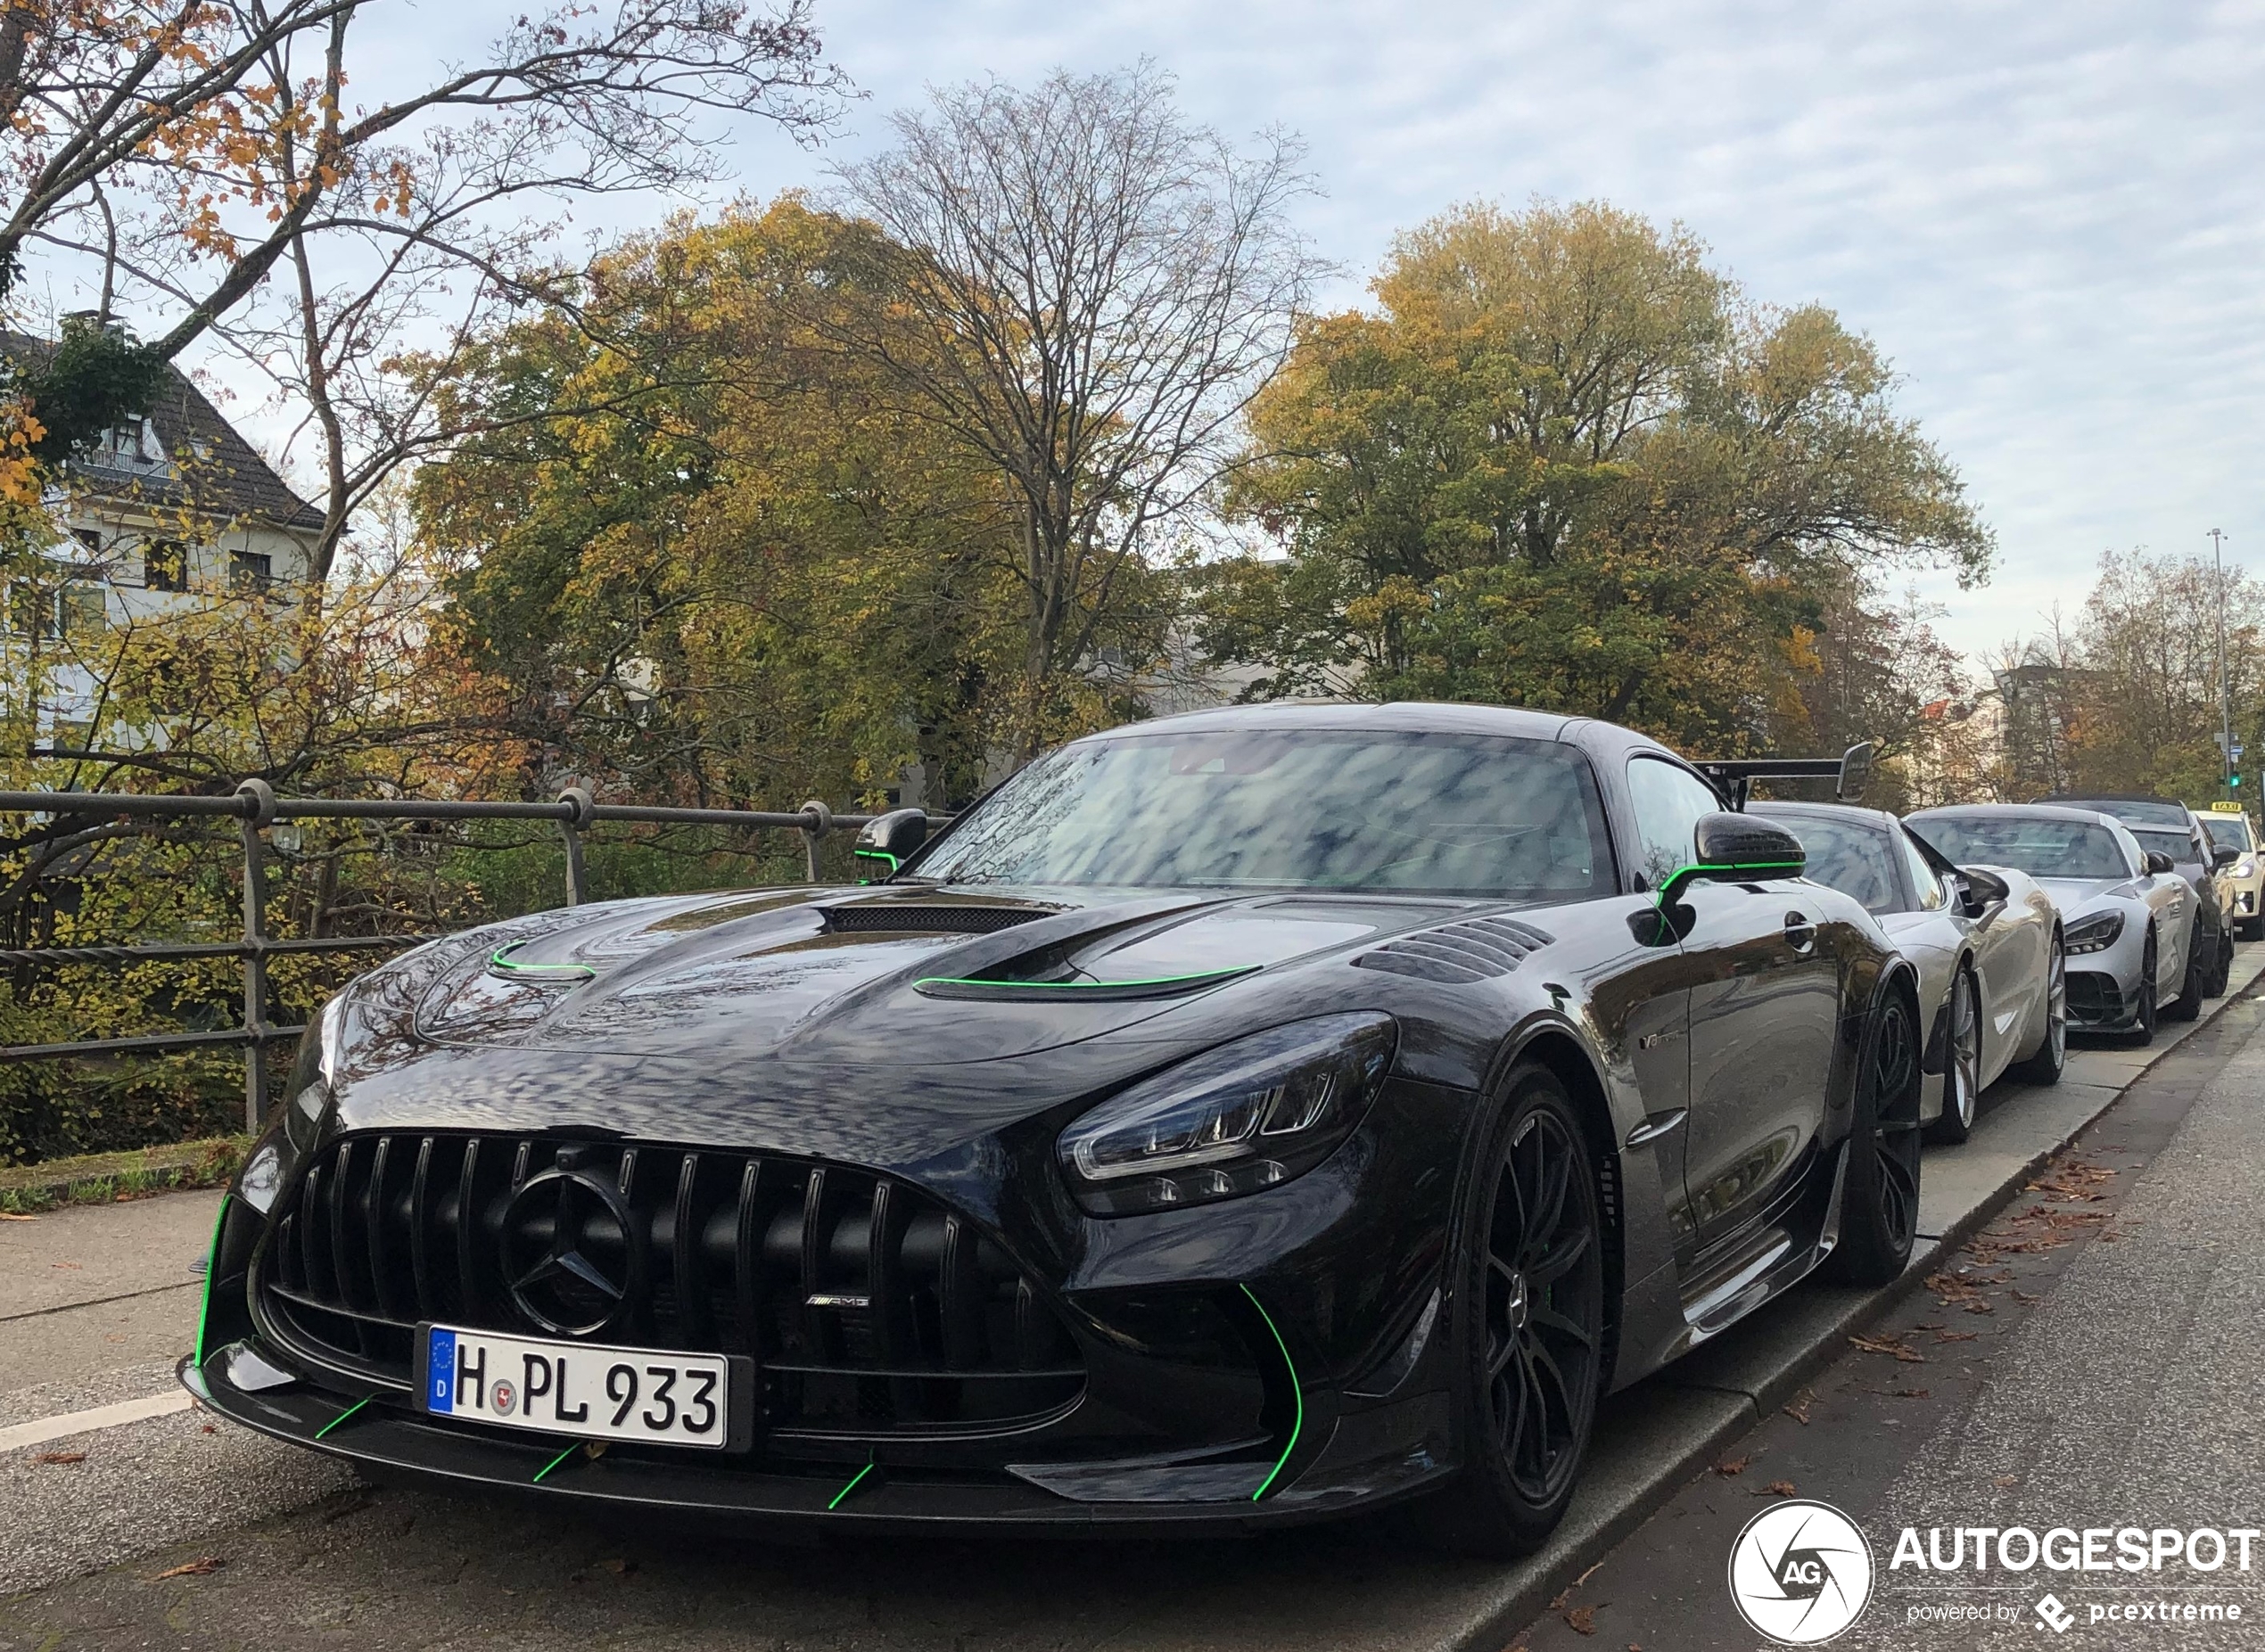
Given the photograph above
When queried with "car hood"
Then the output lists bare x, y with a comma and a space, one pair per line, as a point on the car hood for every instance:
2076, 896
881, 977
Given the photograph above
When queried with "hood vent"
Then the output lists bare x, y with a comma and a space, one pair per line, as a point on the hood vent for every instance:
917, 918
1480, 950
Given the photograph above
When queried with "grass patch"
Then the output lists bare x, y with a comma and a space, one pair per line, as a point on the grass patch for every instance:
114, 1177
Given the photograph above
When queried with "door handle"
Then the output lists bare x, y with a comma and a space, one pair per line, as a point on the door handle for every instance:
1800, 934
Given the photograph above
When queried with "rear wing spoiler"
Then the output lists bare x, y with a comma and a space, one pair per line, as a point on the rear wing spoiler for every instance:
1734, 776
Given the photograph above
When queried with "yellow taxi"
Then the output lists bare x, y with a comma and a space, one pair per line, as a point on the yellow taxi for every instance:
2241, 884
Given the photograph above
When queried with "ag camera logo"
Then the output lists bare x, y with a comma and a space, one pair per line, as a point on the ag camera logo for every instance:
1800, 1573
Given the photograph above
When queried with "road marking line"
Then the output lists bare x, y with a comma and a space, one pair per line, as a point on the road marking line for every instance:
23, 1434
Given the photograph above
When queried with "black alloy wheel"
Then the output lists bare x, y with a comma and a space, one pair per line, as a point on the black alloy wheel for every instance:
1532, 1273
2223, 972
2143, 1019
1880, 1195
2194, 983
1962, 1062
2052, 1054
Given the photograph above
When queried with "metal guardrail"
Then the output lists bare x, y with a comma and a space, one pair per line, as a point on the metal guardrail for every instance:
255, 808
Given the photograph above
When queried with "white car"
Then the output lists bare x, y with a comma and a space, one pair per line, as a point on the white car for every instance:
1986, 942
2127, 916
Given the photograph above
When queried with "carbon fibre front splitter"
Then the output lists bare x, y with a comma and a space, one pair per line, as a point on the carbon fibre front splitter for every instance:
383, 1435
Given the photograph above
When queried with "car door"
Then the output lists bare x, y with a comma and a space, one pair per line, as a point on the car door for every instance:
2007, 952
1765, 1006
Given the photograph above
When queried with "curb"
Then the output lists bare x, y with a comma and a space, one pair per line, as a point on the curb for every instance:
1534, 1584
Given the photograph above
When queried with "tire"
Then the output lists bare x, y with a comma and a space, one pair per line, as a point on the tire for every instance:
2223, 973
1961, 1064
2194, 986
2051, 1058
1530, 1271
2143, 1026
1880, 1192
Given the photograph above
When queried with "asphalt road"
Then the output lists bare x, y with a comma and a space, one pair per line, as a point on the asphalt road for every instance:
171, 1530
2090, 1360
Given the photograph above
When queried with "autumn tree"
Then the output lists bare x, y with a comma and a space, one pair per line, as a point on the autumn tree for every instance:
1087, 290
707, 555
1564, 464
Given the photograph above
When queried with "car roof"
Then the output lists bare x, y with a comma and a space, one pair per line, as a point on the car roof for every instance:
2109, 797
1799, 806
2020, 811
1413, 717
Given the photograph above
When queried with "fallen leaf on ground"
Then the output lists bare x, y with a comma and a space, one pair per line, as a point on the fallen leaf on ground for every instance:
620, 1569
1776, 1488
203, 1565
61, 1457
2002, 1480
1889, 1345
1582, 1620
1736, 1466
1798, 1407
1956, 1336
11, 1216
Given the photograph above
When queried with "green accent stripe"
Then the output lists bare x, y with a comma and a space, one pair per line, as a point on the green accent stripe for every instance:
1297, 1421
877, 854
342, 1416
211, 1267
851, 1487
1681, 876
500, 961
555, 1461
1084, 986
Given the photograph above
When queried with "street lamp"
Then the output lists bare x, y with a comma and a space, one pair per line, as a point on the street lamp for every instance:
2225, 692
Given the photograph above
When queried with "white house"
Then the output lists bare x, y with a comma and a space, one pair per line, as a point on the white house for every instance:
170, 510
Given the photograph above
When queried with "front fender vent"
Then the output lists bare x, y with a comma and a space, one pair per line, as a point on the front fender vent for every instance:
1478, 950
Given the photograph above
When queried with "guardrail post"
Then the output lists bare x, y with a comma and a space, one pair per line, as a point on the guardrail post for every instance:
258, 809
821, 821
579, 804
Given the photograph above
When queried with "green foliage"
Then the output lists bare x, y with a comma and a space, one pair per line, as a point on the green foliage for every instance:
1567, 465
90, 382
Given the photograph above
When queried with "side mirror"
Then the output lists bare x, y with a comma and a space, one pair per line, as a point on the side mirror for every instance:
2158, 863
2224, 855
1855, 773
1981, 890
1737, 849
888, 841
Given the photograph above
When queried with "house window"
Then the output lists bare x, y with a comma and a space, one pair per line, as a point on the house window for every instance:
165, 565
33, 613
251, 571
86, 611
89, 540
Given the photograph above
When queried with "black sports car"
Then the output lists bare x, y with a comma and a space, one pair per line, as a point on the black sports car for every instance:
1253, 1115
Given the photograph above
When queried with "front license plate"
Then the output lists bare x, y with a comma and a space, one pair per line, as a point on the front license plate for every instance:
659, 1397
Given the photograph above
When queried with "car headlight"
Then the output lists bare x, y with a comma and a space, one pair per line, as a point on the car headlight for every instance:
2093, 935
2246, 866
1247, 1115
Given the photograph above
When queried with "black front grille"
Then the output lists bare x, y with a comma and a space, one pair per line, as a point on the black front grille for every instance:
870, 1307
2093, 996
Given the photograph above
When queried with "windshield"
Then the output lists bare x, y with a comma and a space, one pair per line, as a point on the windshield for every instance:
2039, 845
2229, 831
1305, 809
2177, 844
1849, 857
2133, 814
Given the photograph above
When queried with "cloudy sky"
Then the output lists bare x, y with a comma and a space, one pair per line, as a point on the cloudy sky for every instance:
2047, 215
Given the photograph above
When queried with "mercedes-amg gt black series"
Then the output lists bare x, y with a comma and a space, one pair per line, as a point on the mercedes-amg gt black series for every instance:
1248, 1117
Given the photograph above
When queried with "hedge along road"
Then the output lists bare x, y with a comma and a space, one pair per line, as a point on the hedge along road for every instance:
176, 1529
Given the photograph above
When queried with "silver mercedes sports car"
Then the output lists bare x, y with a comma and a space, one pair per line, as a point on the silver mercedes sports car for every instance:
1986, 943
2127, 916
